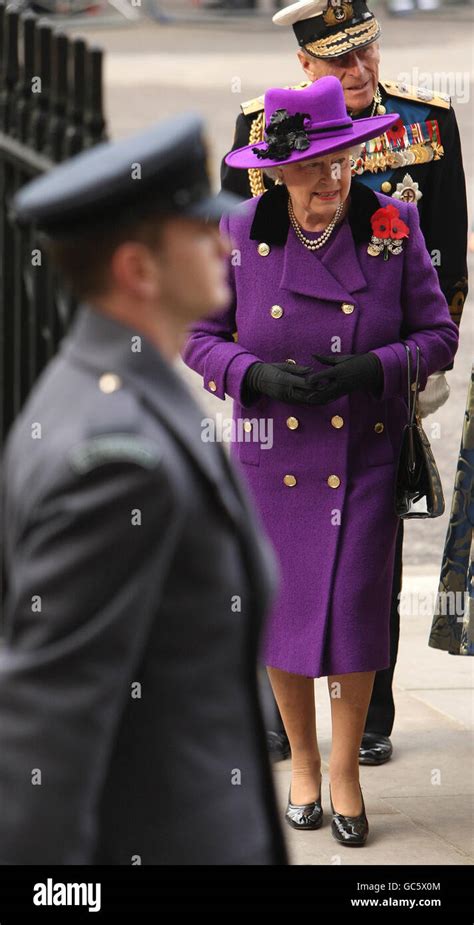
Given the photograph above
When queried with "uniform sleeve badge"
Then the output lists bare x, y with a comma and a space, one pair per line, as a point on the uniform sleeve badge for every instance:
116, 448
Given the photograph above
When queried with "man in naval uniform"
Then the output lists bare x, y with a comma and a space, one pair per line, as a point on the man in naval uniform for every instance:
137, 582
418, 160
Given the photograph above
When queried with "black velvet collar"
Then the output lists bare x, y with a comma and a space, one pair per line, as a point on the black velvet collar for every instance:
271, 221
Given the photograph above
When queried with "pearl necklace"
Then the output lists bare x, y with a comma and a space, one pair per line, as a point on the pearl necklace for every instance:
307, 242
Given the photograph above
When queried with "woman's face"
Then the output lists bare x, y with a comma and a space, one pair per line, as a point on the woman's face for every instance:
318, 185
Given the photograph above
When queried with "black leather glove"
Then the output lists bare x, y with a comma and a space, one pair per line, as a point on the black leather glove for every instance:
350, 372
283, 381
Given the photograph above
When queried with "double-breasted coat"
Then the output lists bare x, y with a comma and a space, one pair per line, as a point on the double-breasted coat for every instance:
325, 489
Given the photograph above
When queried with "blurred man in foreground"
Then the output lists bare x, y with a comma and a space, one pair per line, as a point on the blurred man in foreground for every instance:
130, 726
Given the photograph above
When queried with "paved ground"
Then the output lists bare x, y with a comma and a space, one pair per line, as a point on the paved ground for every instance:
419, 804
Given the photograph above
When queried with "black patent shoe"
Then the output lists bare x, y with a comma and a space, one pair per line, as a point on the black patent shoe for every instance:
375, 748
350, 830
305, 817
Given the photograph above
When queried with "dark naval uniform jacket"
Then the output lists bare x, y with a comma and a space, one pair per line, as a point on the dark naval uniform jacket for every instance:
419, 160
137, 585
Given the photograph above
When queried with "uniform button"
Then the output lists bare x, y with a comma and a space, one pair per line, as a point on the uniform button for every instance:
378, 428
291, 361
276, 311
290, 481
386, 187
247, 426
263, 249
212, 385
292, 423
109, 382
334, 481
347, 308
337, 421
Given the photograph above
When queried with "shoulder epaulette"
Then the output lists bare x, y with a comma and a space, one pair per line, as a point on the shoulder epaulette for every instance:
418, 94
257, 104
251, 106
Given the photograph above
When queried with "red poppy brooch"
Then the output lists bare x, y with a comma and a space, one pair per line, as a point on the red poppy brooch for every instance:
388, 232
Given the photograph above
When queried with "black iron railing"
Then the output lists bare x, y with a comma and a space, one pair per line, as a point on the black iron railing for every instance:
50, 109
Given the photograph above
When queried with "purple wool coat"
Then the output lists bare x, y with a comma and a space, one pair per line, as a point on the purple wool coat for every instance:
332, 524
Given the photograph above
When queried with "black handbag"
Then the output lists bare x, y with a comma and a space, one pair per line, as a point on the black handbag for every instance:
418, 489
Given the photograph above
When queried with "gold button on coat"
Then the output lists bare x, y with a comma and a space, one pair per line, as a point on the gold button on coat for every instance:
347, 308
290, 481
291, 361
248, 426
263, 249
276, 311
292, 423
212, 385
386, 187
109, 382
334, 481
337, 421
378, 428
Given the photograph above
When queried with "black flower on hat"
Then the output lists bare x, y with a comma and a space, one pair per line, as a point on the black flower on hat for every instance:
284, 134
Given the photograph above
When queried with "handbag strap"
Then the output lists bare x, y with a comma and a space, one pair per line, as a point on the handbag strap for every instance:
412, 393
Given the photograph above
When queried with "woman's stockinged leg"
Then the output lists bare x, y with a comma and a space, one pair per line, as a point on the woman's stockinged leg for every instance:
294, 695
350, 697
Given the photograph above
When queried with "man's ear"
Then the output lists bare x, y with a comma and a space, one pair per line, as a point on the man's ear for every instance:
303, 61
135, 270
309, 66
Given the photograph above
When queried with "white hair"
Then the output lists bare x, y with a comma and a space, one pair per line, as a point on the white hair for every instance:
271, 172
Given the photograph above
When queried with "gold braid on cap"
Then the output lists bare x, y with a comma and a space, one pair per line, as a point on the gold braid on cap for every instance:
349, 37
257, 133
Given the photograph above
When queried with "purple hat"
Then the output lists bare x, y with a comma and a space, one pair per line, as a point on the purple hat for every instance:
307, 123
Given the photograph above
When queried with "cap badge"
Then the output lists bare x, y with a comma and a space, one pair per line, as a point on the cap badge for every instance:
337, 11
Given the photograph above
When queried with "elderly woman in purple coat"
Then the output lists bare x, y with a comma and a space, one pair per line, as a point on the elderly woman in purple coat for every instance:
330, 282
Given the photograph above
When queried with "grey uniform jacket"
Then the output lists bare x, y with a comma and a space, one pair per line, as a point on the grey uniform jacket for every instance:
130, 725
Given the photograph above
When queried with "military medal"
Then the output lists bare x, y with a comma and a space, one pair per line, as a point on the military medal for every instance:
408, 190
400, 146
388, 232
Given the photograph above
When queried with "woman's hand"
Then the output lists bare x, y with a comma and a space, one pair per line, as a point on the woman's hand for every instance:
349, 373
282, 381
294, 384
